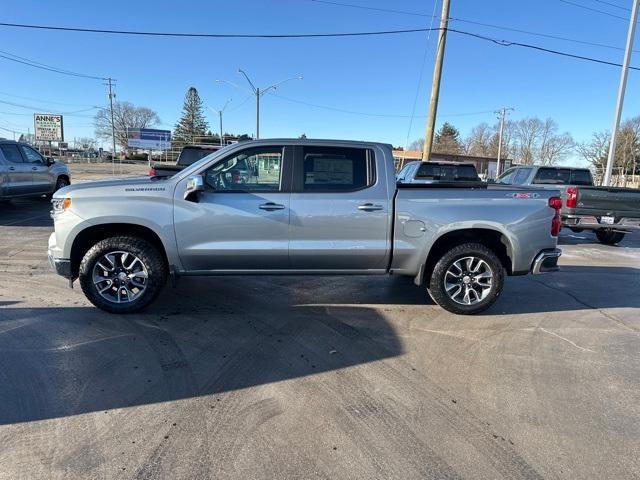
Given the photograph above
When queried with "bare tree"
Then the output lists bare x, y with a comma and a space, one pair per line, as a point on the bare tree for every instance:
627, 155
86, 143
481, 141
125, 116
417, 145
536, 141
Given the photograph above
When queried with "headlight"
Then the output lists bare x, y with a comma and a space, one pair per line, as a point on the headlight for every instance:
60, 204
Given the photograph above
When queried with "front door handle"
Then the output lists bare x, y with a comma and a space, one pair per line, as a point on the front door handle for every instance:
271, 206
12, 168
34, 168
370, 207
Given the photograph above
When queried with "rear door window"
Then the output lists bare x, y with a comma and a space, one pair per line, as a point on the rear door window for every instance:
553, 176
521, 176
337, 169
581, 177
447, 173
11, 153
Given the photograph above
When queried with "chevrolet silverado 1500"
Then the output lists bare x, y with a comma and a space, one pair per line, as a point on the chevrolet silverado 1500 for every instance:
299, 207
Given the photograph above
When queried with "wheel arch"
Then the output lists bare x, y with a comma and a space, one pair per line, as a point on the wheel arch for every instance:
495, 240
91, 235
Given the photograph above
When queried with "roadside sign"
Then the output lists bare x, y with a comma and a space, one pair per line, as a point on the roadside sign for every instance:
63, 145
149, 138
48, 127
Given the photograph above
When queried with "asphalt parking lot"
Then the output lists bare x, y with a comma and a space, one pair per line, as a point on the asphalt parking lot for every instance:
292, 377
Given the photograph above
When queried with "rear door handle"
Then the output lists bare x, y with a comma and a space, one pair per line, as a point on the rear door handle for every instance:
34, 168
370, 207
271, 206
12, 168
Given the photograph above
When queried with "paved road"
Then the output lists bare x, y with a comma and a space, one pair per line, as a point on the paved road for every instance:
291, 377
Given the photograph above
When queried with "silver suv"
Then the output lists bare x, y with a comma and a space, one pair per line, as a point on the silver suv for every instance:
24, 172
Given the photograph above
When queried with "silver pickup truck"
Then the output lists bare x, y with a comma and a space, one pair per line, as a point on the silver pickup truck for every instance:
299, 207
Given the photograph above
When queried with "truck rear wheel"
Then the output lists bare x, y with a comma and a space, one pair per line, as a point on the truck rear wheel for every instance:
467, 279
122, 274
609, 237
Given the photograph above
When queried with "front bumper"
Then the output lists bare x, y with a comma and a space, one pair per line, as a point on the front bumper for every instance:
60, 266
546, 261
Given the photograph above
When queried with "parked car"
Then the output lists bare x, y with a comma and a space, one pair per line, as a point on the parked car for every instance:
438, 172
188, 155
308, 207
24, 172
610, 212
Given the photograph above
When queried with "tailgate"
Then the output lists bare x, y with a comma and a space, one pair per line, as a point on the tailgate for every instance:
610, 201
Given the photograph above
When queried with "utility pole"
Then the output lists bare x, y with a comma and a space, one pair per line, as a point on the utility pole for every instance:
435, 86
113, 127
258, 92
621, 90
502, 113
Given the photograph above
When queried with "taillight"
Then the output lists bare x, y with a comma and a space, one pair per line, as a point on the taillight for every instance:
556, 222
572, 197
152, 172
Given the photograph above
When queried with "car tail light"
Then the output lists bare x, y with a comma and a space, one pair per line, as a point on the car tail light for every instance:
556, 222
152, 172
572, 197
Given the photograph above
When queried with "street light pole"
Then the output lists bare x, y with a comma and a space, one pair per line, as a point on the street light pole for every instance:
258, 92
258, 112
621, 91
220, 112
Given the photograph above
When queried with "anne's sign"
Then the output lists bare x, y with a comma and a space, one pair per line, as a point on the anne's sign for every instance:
48, 127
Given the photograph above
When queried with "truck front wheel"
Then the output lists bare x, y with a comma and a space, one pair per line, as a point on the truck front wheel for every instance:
467, 279
609, 237
122, 274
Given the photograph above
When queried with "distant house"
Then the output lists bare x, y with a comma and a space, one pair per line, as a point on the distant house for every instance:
486, 166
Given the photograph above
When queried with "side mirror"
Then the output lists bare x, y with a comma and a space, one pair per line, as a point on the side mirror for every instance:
195, 185
49, 161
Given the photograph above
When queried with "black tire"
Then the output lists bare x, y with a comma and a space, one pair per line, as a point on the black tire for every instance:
609, 237
436, 285
147, 253
61, 182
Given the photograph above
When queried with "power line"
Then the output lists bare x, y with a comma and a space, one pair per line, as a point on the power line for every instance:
369, 114
419, 83
31, 107
615, 5
46, 101
32, 63
594, 10
507, 43
474, 22
213, 35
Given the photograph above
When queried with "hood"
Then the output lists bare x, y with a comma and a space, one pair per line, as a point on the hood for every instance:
116, 186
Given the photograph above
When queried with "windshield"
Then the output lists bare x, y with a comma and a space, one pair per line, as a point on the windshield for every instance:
449, 173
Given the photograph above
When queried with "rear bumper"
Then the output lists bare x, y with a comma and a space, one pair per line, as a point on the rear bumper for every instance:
546, 261
591, 222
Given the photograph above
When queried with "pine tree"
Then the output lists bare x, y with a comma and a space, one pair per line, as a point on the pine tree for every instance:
192, 123
447, 140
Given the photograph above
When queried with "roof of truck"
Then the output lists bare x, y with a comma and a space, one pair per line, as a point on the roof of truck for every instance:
314, 141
